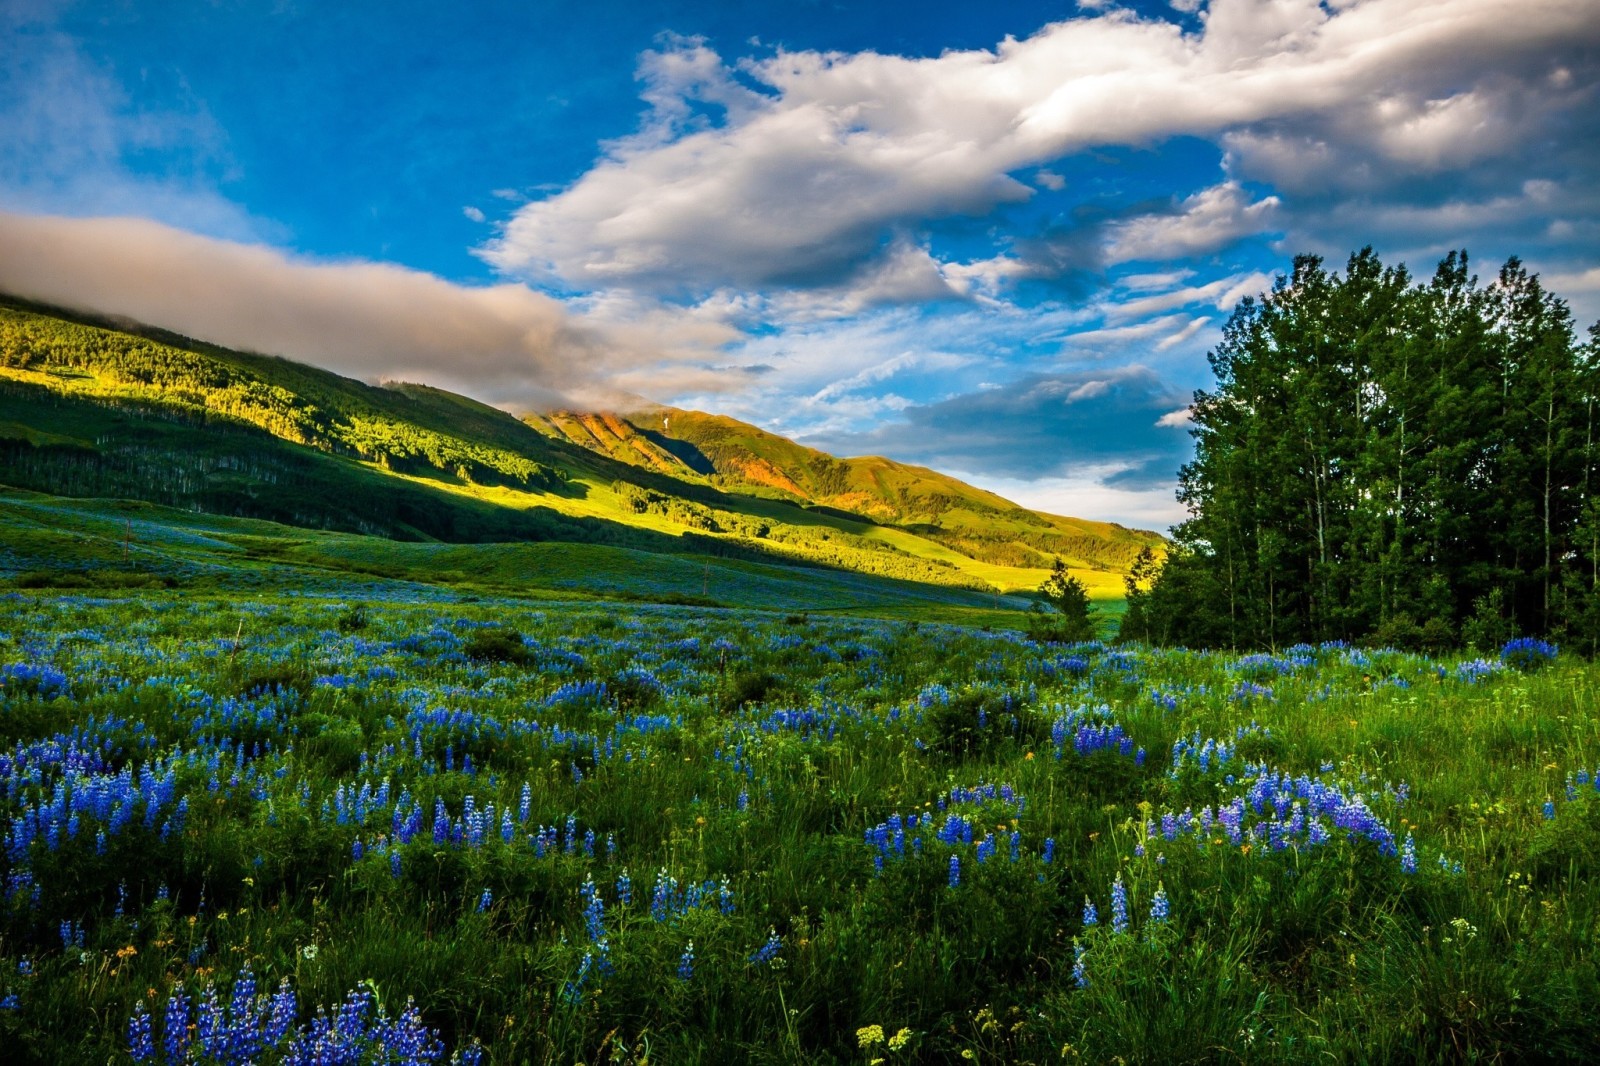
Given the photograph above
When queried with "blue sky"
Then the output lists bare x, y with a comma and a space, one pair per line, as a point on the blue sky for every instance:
997, 239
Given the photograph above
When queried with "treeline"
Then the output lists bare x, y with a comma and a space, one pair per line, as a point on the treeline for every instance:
1392, 460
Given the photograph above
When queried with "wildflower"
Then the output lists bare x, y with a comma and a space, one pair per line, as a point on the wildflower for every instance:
1119, 906
485, 900
686, 963
764, 955
594, 910
1090, 915
175, 1030
1549, 810
1408, 856
1080, 972
869, 1036
955, 870
140, 1043
903, 1037
1159, 905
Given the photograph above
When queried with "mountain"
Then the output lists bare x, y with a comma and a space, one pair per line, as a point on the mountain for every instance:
92, 407
738, 457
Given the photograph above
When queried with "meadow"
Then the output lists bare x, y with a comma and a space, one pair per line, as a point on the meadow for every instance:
404, 824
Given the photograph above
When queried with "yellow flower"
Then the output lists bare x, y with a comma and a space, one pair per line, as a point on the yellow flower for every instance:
869, 1035
900, 1040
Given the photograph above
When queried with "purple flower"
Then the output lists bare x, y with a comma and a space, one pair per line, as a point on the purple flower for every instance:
1119, 906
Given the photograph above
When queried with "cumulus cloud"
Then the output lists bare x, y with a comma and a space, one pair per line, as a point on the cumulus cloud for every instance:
505, 343
796, 169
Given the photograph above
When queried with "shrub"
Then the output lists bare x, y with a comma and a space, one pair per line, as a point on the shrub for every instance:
497, 646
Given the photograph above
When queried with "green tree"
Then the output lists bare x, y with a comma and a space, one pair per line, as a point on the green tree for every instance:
1065, 616
1136, 583
1377, 456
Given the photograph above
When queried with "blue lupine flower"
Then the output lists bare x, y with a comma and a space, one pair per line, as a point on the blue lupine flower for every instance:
955, 870
1158, 905
1528, 653
485, 901
1408, 856
661, 898
764, 955
1080, 972
594, 910
1119, 906
686, 963
175, 1027
1090, 915
1549, 810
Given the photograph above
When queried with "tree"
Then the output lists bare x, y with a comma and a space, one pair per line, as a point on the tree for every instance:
1065, 617
1379, 456
1136, 584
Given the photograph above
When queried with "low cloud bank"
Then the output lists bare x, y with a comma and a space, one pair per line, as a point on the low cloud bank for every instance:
505, 343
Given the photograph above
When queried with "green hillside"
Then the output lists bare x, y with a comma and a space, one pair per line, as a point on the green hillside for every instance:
93, 408
736, 456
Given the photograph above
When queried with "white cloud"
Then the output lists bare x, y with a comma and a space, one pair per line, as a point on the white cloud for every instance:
1172, 340
505, 343
1085, 494
1573, 281
798, 184
1222, 294
1204, 222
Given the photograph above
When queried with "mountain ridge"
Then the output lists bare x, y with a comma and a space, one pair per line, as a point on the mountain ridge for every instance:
95, 407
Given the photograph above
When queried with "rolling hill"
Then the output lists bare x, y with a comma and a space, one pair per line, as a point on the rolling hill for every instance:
98, 408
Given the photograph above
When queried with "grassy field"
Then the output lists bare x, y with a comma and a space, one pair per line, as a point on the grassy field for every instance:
285, 810
56, 542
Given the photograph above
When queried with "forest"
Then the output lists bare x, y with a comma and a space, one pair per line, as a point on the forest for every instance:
1405, 462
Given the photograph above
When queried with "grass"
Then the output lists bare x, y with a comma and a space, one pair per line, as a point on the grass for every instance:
389, 787
42, 534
